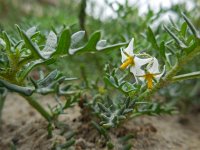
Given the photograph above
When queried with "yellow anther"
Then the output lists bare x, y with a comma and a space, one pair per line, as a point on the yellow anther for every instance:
149, 78
127, 62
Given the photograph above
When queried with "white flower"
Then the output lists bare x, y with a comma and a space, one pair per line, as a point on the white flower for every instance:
129, 59
152, 73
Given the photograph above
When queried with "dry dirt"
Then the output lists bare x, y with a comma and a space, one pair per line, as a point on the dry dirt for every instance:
24, 127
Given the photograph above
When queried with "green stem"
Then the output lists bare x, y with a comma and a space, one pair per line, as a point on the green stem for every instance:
186, 76
169, 76
2, 101
38, 107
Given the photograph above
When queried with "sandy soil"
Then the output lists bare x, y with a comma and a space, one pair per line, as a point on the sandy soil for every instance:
23, 127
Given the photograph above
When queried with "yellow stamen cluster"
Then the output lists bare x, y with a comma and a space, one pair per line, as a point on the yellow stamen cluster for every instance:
127, 62
149, 78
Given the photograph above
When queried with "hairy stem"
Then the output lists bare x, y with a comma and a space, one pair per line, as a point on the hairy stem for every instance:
186, 76
82, 14
2, 101
33, 102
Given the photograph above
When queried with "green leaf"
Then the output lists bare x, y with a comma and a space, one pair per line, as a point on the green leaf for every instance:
104, 117
110, 81
8, 44
190, 48
18, 29
162, 49
50, 45
23, 74
34, 48
49, 78
93, 45
90, 46
100, 129
76, 38
103, 108
183, 29
63, 43
8, 49
31, 31
178, 41
110, 47
108, 125
101, 44
151, 38
191, 26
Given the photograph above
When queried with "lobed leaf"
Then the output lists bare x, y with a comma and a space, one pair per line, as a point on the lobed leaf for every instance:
50, 45
31, 31
76, 38
89, 46
63, 43
34, 48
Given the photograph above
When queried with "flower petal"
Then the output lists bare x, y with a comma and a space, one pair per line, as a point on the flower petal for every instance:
124, 57
129, 49
141, 79
140, 62
137, 71
154, 68
157, 77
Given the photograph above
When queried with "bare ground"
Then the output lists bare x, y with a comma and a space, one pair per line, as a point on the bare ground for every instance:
24, 127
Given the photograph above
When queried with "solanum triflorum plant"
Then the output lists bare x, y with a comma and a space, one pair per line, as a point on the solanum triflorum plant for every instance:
151, 73
18, 57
